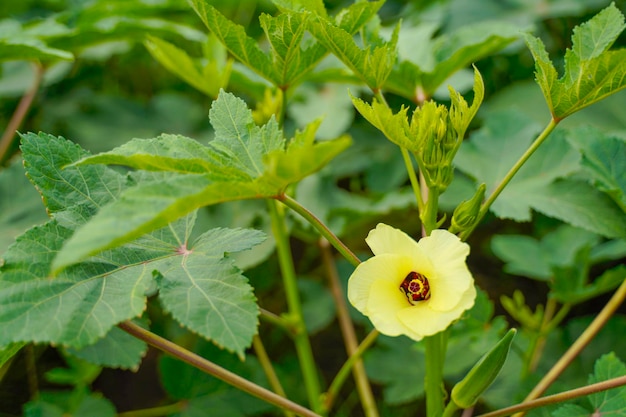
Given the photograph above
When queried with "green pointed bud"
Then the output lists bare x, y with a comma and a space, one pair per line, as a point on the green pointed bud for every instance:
466, 213
467, 391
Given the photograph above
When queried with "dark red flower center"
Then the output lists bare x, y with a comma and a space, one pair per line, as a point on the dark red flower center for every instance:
416, 287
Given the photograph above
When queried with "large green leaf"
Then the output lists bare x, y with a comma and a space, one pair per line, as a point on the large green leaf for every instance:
117, 349
492, 151
243, 161
604, 160
543, 183
206, 292
75, 308
533, 258
62, 190
581, 205
591, 71
85, 301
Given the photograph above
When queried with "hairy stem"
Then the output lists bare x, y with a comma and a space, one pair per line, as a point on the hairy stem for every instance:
210, 368
300, 336
509, 176
354, 361
321, 227
20, 112
582, 341
559, 398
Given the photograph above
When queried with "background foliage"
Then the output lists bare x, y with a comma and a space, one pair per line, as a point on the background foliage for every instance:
116, 70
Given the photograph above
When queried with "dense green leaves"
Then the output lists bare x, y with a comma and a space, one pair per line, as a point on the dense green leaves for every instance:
85, 301
591, 71
413, 134
243, 161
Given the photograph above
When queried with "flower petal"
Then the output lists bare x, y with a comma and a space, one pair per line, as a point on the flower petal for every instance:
391, 268
451, 278
387, 239
385, 301
424, 320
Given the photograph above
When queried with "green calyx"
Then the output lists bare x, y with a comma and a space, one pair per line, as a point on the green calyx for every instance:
466, 213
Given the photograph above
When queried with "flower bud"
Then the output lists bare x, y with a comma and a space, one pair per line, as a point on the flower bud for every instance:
467, 391
466, 213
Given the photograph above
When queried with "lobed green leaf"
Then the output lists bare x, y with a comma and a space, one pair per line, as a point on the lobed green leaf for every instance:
591, 71
234, 37
218, 301
372, 65
45, 158
246, 162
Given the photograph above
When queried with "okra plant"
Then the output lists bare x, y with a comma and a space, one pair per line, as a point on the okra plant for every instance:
337, 237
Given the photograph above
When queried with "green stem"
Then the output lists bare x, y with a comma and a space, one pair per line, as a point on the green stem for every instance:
433, 380
354, 361
164, 410
429, 215
450, 410
276, 320
345, 369
509, 176
415, 184
210, 368
582, 341
270, 374
321, 227
300, 337
559, 398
